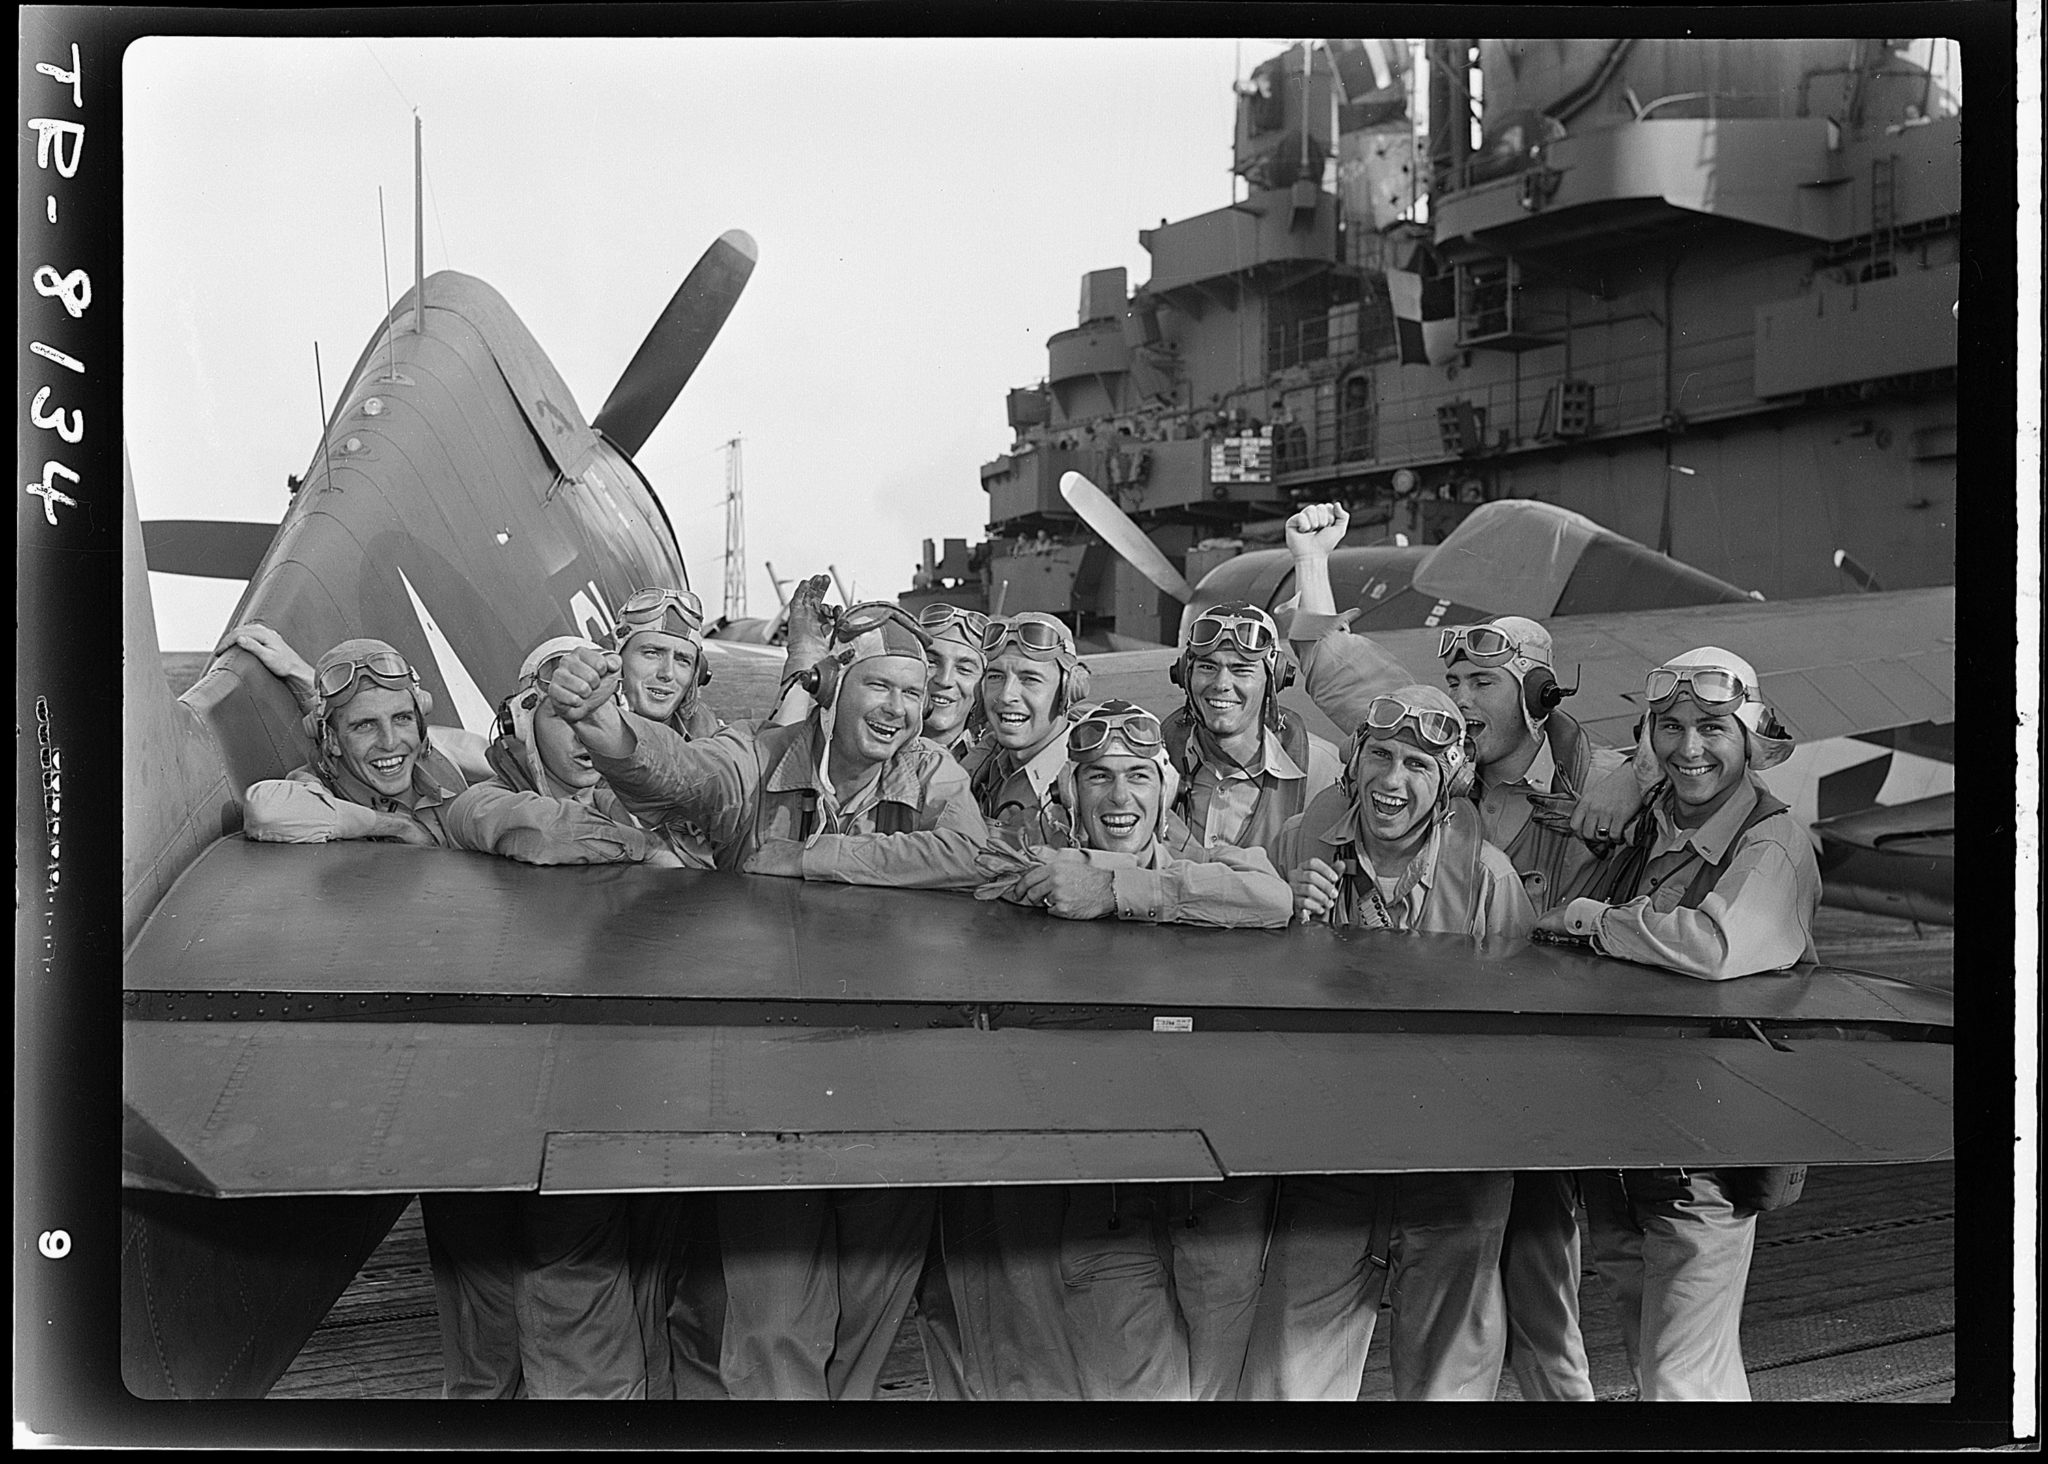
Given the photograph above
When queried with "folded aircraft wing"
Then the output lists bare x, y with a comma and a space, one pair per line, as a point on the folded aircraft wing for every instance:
356, 1019
1832, 667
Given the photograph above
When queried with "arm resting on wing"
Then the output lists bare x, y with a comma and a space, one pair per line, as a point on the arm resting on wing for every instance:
299, 809
943, 854
1231, 887
533, 828
1759, 917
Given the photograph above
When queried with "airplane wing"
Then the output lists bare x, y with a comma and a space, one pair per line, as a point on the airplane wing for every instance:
431, 1020
1832, 667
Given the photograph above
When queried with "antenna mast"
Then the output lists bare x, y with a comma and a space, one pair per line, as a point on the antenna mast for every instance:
735, 536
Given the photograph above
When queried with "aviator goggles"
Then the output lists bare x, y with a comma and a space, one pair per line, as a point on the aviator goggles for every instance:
1387, 714
1253, 631
386, 668
1135, 727
1039, 634
856, 620
677, 611
1482, 645
939, 617
1715, 688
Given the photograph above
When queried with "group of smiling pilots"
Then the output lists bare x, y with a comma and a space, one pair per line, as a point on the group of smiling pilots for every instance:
957, 751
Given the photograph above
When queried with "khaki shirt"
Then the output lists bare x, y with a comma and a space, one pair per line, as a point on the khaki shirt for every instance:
1344, 672
300, 807
1026, 801
745, 787
1222, 801
1496, 908
1757, 917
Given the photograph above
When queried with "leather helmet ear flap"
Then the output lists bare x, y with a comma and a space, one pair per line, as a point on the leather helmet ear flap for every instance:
1461, 780
1076, 688
423, 700
1176, 673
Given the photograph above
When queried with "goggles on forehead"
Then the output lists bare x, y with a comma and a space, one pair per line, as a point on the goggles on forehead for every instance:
869, 615
1136, 728
1039, 635
545, 671
1715, 688
386, 668
659, 610
1386, 714
1254, 632
1482, 645
938, 617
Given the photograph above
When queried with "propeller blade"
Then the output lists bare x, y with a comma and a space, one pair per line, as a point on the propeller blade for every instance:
678, 341
1117, 531
210, 548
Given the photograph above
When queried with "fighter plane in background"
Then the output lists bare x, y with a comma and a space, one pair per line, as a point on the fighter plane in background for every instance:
314, 1034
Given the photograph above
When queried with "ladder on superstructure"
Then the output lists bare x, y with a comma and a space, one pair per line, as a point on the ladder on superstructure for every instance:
735, 536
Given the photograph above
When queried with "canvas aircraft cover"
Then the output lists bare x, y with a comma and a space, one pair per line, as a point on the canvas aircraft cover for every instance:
430, 1020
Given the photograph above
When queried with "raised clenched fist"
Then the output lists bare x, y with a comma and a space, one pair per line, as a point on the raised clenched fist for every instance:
1316, 530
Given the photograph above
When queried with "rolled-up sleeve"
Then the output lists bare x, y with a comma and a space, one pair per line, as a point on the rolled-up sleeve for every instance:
1758, 917
300, 810
1232, 887
535, 829
1343, 672
667, 780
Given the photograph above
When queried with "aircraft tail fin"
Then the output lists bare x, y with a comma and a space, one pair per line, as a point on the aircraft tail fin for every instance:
178, 797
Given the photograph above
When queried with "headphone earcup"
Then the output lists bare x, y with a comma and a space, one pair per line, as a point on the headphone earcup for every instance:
502, 727
1284, 671
1462, 779
1540, 693
425, 700
827, 672
1175, 674
703, 670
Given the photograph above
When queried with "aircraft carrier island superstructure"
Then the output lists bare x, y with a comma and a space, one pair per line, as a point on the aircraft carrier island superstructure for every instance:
1703, 292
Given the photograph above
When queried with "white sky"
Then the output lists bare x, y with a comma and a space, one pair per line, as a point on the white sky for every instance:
925, 210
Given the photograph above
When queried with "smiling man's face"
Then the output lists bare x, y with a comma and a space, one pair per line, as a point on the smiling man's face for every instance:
878, 708
1020, 696
379, 733
1397, 787
1703, 753
955, 682
1117, 803
1227, 689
